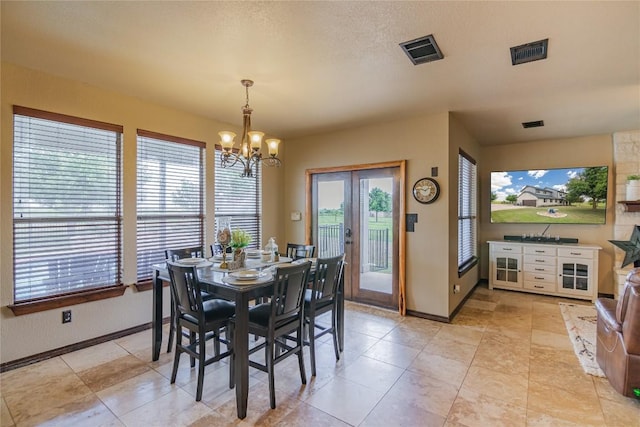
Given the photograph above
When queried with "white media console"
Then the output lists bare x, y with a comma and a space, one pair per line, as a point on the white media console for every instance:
568, 270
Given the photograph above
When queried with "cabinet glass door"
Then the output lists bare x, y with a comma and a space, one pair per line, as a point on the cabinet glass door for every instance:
506, 269
575, 276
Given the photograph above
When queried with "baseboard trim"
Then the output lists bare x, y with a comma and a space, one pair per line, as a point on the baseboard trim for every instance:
422, 315
466, 297
19, 363
453, 314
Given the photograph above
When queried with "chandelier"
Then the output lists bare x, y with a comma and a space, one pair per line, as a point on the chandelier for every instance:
249, 154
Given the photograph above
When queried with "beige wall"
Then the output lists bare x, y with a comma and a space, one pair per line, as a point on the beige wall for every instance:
424, 143
559, 153
30, 334
459, 139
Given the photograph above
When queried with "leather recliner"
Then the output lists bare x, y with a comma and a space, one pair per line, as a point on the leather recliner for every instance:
618, 332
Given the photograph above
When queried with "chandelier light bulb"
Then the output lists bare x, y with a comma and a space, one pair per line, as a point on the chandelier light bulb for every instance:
256, 139
272, 144
226, 140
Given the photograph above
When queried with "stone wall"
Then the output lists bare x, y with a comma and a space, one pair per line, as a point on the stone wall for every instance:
626, 160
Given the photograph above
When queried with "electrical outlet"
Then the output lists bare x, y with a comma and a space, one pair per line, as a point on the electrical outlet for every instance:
456, 289
66, 316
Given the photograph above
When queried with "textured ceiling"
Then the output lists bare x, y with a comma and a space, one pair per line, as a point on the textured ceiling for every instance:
322, 66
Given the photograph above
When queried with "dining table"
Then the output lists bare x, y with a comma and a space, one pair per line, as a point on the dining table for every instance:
216, 281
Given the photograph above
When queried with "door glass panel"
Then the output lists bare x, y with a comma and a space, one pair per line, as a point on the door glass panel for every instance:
501, 262
376, 234
513, 276
513, 264
501, 275
330, 218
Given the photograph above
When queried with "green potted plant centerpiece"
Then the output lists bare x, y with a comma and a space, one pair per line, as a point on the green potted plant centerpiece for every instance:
633, 187
240, 239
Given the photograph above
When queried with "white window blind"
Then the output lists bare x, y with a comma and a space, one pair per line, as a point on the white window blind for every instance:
240, 199
66, 204
170, 198
467, 216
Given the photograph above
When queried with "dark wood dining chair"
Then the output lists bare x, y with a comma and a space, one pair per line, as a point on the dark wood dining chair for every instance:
203, 319
298, 251
175, 255
322, 298
277, 320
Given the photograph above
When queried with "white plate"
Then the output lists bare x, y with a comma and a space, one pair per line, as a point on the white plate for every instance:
303, 260
192, 261
235, 281
253, 254
246, 274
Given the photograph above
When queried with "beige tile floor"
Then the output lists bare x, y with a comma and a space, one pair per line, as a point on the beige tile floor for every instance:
505, 360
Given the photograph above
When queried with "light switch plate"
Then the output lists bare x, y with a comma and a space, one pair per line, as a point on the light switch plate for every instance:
296, 216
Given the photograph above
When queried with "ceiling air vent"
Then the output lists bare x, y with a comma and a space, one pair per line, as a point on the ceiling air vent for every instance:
424, 49
529, 52
535, 124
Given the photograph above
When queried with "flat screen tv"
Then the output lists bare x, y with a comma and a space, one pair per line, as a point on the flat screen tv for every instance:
550, 196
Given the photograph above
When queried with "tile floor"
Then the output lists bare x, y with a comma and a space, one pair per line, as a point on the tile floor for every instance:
505, 360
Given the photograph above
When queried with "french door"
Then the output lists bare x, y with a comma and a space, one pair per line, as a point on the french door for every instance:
357, 212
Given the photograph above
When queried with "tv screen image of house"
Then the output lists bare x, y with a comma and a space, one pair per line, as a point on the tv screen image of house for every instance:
550, 196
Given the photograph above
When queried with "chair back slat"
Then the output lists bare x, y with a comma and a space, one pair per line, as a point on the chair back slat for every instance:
176, 254
185, 288
327, 276
288, 291
298, 251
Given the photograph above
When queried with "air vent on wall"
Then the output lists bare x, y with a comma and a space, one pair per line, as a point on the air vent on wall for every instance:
424, 49
529, 52
534, 124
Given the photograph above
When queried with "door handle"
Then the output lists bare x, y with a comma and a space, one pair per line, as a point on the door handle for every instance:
347, 232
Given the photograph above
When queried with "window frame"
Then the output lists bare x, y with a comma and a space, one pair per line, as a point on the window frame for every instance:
467, 211
92, 293
146, 283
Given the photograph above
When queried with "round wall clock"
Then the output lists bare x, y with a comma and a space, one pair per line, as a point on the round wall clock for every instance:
426, 190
